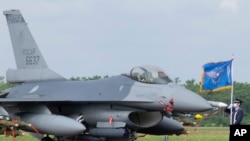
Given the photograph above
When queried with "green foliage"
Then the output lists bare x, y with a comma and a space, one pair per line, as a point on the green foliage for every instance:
215, 121
177, 80
96, 77
3, 85
240, 90
191, 85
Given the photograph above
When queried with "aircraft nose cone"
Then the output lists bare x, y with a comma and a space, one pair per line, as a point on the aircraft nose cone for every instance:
188, 101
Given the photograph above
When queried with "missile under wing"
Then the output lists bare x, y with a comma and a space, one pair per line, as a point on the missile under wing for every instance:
112, 108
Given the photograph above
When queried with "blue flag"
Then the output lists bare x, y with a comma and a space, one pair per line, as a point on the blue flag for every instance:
216, 76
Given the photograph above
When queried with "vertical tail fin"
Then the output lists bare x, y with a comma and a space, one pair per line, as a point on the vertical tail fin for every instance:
31, 66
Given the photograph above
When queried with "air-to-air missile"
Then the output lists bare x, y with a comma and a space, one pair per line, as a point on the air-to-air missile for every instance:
116, 107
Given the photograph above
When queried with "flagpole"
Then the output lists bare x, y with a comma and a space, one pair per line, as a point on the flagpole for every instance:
232, 88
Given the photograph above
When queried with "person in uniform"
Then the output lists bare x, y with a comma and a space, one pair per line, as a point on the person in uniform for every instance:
237, 112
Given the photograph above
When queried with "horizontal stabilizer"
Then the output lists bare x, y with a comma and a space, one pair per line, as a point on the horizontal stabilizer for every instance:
25, 75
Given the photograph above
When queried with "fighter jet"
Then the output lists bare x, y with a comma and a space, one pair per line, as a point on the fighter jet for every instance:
113, 108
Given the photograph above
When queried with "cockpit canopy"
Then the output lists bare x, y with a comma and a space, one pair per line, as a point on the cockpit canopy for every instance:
150, 74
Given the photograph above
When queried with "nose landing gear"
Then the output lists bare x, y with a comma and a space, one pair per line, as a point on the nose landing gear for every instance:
47, 138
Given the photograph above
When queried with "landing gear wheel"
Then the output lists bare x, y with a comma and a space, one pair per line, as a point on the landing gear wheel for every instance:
47, 139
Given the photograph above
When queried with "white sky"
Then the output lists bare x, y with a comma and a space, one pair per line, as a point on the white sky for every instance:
109, 37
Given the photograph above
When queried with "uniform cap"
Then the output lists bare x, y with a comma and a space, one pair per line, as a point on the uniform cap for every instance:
237, 100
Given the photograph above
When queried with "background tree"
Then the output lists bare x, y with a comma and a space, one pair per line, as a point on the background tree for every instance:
241, 90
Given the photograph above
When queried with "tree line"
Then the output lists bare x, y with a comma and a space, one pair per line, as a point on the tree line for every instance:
241, 90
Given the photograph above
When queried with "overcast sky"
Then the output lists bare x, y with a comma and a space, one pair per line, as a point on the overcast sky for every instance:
109, 37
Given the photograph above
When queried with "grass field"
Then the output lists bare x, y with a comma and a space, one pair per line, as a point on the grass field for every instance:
200, 134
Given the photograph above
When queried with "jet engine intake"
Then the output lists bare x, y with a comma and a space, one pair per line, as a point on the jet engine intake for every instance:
145, 119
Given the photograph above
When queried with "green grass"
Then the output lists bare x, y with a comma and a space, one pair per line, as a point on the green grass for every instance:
19, 138
200, 134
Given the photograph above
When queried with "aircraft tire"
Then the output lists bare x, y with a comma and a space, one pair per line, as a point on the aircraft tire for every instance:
47, 139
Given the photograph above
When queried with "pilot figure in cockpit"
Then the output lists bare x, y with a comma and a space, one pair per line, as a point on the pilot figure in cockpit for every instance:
162, 78
162, 75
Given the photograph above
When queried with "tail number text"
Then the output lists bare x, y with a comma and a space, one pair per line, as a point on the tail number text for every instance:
32, 60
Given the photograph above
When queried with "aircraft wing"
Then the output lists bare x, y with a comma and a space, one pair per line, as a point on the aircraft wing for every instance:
111, 108
48, 100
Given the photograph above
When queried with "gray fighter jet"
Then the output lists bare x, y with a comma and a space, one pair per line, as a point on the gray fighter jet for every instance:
114, 108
